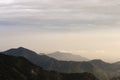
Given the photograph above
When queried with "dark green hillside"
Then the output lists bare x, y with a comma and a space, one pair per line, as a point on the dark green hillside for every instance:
18, 68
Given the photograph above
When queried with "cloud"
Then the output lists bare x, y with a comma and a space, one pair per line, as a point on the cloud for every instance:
61, 14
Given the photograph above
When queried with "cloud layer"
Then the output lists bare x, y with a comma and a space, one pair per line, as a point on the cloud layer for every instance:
60, 14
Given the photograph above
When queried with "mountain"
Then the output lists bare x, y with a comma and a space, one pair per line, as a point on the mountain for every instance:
19, 68
117, 63
21, 51
99, 68
115, 78
40, 60
67, 56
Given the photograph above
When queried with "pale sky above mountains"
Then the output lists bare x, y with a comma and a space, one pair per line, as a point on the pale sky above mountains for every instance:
90, 28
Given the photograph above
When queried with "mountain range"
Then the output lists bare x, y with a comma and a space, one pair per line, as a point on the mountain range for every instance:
19, 68
101, 69
67, 56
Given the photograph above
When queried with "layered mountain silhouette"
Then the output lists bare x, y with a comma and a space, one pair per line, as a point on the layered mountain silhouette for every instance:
67, 56
19, 68
99, 68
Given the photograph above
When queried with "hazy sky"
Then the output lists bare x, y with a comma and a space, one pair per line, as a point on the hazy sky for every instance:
90, 28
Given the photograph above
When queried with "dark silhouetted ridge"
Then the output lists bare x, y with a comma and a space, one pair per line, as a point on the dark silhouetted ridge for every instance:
19, 68
21, 51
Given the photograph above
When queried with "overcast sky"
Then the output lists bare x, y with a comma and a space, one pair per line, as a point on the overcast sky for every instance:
90, 28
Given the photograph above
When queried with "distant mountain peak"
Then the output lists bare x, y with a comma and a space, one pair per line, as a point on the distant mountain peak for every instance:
64, 56
24, 49
19, 51
21, 48
97, 60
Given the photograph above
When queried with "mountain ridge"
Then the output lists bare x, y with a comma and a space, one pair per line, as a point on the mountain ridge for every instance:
63, 56
19, 68
99, 68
